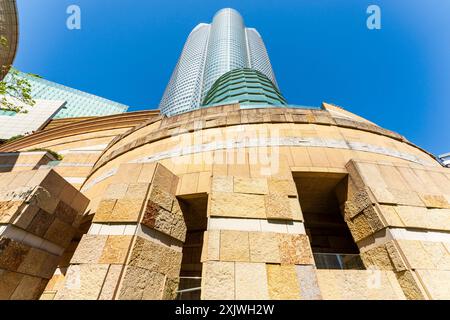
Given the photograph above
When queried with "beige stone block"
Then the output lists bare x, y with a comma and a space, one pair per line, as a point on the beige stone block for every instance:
384, 196
295, 249
413, 217
437, 254
39, 263
161, 198
90, 249
147, 172
278, 207
250, 185
137, 191
116, 191
437, 283
224, 204
179, 228
83, 282
390, 216
127, 210
218, 281
60, 233
204, 182
165, 179
398, 262
170, 291
307, 279
296, 210
264, 247
8, 283
373, 219
155, 257
29, 288
211, 246
115, 250
189, 183
104, 211
12, 254
410, 285
282, 186
111, 282
415, 254
377, 258
283, 282
141, 284
9, 211
359, 227
435, 201
251, 281
158, 218
234, 246
222, 184
44, 200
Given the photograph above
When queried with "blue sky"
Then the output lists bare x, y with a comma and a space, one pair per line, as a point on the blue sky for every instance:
321, 50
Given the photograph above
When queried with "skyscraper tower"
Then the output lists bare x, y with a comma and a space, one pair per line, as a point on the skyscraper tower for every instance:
212, 50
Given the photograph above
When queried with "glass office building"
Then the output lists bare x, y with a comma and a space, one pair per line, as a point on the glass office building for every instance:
78, 103
212, 50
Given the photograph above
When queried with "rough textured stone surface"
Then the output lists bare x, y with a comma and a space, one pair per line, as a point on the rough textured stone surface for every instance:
83, 282
278, 207
295, 249
264, 247
60, 233
155, 257
12, 254
170, 289
359, 285
41, 223
234, 246
223, 204
283, 283
111, 282
359, 227
39, 263
410, 285
281, 186
218, 281
435, 201
251, 281
161, 198
8, 210
307, 279
179, 228
251, 185
222, 184
378, 258
158, 218
141, 284
105, 210
211, 246
115, 250
90, 249
127, 210
65, 213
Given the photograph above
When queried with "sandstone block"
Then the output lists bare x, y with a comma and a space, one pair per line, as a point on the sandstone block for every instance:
251, 281
12, 254
65, 213
116, 191
9, 210
264, 247
41, 223
111, 282
104, 210
127, 210
211, 246
161, 198
415, 254
282, 282
83, 282
437, 283
29, 288
295, 249
250, 185
435, 201
218, 281
278, 207
8, 283
170, 289
282, 186
308, 284
234, 246
115, 250
90, 249
222, 184
224, 204
60, 233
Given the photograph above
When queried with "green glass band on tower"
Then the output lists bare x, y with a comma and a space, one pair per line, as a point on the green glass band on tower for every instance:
246, 86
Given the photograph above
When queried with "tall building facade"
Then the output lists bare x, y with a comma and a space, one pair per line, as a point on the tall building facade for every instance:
78, 103
212, 50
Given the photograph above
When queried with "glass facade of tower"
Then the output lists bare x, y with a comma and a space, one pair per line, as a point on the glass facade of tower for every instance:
212, 50
78, 103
